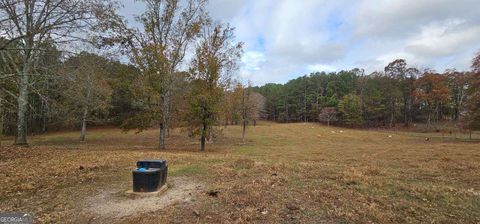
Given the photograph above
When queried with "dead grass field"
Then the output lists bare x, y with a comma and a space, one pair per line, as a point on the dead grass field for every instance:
286, 173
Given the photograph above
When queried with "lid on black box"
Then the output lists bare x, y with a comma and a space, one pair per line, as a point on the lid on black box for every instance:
151, 163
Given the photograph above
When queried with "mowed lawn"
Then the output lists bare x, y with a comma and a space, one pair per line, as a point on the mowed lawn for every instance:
285, 173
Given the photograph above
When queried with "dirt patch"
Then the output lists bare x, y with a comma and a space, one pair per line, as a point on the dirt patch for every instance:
116, 204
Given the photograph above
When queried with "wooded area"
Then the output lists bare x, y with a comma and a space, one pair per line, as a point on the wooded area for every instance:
46, 84
399, 94
61, 68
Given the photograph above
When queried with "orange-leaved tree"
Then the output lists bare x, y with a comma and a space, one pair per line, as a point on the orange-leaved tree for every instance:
431, 92
472, 118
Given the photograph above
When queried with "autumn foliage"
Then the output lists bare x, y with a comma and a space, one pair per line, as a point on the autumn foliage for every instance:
472, 118
432, 93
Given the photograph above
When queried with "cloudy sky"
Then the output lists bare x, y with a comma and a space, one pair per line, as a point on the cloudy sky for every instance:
285, 39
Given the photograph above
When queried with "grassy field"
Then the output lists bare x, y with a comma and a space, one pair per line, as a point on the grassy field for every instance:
286, 173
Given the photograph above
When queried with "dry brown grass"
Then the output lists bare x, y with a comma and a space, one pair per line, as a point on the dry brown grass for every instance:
287, 173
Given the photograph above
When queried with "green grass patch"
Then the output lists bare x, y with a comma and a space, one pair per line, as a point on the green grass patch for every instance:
198, 169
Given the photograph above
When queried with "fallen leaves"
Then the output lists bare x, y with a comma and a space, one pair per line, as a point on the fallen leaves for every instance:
281, 177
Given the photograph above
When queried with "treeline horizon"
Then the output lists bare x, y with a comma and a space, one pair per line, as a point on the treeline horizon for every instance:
45, 86
87, 88
400, 94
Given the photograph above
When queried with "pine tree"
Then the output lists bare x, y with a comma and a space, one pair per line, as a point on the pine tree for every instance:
350, 108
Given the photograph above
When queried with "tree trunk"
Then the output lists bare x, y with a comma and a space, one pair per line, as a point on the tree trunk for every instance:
456, 114
286, 112
439, 112
392, 115
1, 120
163, 128
405, 112
317, 109
203, 137
244, 114
165, 108
83, 132
391, 120
167, 134
22, 102
169, 121
409, 111
44, 113
429, 118
305, 106
244, 130
161, 139
44, 124
202, 143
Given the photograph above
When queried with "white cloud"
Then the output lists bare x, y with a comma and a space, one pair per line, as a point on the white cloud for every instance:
293, 36
289, 38
225, 9
400, 18
321, 67
253, 60
443, 39
438, 34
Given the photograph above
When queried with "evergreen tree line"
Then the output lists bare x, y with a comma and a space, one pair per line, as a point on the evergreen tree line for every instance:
398, 95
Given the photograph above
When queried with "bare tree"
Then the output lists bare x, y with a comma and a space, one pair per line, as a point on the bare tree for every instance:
458, 85
328, 114
245, 111
252, 106
27, 25
87, 94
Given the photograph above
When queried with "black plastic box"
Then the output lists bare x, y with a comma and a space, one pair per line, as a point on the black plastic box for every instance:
146, 180
149, 175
